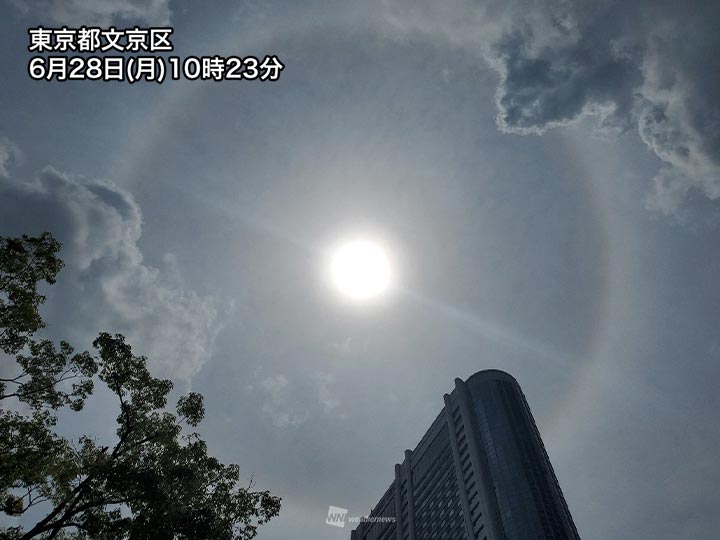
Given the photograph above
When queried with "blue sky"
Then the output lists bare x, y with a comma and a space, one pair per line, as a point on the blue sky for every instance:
546, 175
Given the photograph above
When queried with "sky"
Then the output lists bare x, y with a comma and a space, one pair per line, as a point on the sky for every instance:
546, 176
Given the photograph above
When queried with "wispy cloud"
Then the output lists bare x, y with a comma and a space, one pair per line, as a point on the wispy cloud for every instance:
96, 12
8, 151
288, 404
278, 404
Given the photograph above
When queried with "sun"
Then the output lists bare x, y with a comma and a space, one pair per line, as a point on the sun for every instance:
360, 270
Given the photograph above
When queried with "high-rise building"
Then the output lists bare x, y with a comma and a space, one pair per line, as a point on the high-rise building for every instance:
480, 472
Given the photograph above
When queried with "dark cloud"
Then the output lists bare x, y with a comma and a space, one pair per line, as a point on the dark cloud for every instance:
557, 84
649, 66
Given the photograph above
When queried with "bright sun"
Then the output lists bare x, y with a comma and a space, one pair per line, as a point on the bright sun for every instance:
360, 269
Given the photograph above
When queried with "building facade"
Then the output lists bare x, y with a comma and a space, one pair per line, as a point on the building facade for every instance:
480, 472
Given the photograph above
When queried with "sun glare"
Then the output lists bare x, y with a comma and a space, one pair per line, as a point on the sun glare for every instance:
360, 270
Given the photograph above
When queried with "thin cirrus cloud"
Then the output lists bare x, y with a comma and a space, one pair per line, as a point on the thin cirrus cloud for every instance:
632, 66
106, 285
290, 405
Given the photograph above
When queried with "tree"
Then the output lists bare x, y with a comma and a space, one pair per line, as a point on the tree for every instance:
156, 480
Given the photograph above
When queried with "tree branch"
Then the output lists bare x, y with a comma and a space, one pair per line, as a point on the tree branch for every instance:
14, 380
62, 378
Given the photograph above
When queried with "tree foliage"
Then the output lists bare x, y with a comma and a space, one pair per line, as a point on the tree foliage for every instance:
23, 263
155, 480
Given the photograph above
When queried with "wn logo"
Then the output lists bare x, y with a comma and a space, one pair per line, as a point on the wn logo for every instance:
336, 516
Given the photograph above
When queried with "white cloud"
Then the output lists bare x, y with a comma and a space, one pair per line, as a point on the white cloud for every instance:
106, 285
679, 119
8, 152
